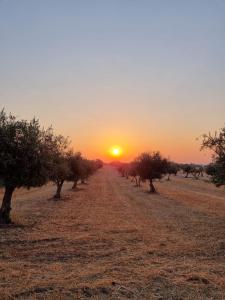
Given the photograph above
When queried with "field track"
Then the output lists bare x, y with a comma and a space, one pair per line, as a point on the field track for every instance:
111, 240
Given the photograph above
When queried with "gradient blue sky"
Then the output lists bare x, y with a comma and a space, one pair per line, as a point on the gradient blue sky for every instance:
145, 75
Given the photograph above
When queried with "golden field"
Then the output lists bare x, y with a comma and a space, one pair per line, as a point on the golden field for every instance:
111, 240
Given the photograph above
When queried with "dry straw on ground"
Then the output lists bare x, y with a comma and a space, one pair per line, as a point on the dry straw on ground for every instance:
111, 240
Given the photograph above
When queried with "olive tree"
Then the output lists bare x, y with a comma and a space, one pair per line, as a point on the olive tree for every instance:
172, 169
81, 168
151, 166
211, 169
60, 170
133, 172
123, 169
197, 171
216, 143
187, 168
75, 160
99, 164
25, 157
87, 168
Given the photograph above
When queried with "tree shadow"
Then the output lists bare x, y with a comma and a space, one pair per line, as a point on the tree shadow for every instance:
62, 198
76, 189
14, 225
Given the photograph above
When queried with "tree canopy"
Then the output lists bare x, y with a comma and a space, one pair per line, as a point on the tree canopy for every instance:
151, 166
25, 157
216, 143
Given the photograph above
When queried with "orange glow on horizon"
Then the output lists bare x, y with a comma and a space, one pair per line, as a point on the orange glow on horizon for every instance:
178, 148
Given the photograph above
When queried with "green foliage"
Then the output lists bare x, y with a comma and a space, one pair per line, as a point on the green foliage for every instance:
216, 143
31, 155
172, 168
211, 169
81, 168
87, 168
151, 165
194, 169
187, 168
59, 160
133, 169
74, 161
217, 172
25, 152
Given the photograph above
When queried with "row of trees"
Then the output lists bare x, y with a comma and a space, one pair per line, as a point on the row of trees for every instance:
151, 166
31, 156
147, 166
195, 170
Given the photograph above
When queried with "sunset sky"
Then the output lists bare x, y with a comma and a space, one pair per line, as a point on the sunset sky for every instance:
143, 75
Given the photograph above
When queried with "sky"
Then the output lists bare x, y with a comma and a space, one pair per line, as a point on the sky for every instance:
145, 75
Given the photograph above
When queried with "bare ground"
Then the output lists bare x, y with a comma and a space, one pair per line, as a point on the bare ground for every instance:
111, 240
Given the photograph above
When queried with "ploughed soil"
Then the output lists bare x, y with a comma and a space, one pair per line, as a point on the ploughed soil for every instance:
112, 240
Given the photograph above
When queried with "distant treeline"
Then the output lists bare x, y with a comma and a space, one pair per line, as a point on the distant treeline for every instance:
151, 166
31, 156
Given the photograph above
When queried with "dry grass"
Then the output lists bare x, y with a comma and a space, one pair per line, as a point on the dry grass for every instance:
111, 240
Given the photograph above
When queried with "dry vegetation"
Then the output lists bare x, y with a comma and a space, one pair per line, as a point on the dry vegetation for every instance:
111, 240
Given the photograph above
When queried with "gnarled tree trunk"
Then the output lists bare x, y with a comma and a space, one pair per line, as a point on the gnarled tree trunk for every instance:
58, 191
152, 188
6, 206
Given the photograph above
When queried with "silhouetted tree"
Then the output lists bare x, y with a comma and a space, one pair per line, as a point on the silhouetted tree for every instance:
216, 143
151, 166
172, 168
60, 170
193, 169
25, 157
87, 168
82, 168
123, 169
75, 161
210, 169
187, 169
197, 171
98, 164
133, 171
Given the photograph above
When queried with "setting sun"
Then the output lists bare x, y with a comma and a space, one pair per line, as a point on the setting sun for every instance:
116, 151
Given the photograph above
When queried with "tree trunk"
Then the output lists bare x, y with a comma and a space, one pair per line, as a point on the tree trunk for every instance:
168, 178
6, 206
136, 181
58, 191
74, 185
152, 188
139, 182
196, 176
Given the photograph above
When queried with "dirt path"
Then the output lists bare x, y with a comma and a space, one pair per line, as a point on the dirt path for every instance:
110, 240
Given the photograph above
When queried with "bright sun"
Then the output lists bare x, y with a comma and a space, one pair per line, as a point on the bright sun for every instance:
116, 151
